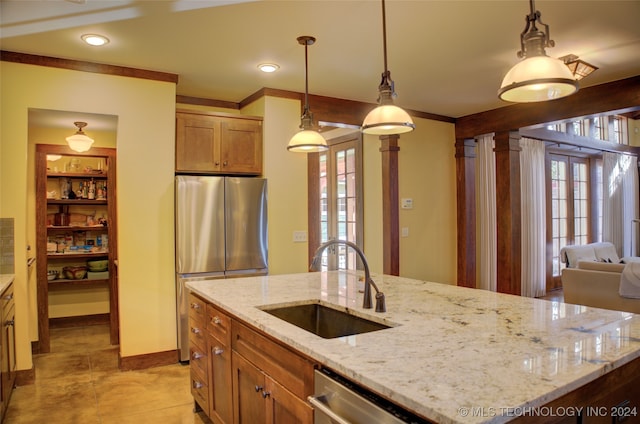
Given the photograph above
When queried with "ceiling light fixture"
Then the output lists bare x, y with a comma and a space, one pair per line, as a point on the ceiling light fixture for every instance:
537, 77
95, 39
387, 118
577, 66
268, 67
307, 140
79, 141
53, 158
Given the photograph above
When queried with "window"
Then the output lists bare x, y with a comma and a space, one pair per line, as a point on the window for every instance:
340, 201
613, 128
573, 212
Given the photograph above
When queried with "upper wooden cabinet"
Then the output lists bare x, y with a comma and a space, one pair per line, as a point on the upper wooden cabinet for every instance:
209, 143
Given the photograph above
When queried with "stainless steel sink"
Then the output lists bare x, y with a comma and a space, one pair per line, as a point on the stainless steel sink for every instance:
324, 321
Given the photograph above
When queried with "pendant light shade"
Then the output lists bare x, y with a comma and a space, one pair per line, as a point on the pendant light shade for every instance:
79, 141
537, 77
308, 139
387, 118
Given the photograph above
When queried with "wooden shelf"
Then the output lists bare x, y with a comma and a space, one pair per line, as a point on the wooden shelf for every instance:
76, 255
76, 227
76, 202
100, 176
83, 282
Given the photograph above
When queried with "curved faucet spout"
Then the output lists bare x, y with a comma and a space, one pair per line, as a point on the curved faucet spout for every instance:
368, 282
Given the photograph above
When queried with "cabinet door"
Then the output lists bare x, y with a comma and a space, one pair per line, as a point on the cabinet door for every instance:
248, 388
241, 147
283, 407
197, 143
221, 400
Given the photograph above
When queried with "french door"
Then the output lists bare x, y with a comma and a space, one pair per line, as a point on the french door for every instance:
339, 199
569, 211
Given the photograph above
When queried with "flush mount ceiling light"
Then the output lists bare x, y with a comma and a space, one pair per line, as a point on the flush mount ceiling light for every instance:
577, 66
537, 77
95, 39
53, 158
307, 140
79, 141
268, 67
387, 118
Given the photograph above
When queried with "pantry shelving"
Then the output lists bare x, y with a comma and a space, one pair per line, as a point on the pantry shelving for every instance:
75, 223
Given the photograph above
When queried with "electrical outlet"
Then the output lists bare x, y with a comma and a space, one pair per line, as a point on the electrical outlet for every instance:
405, 231
299, 236
406, 203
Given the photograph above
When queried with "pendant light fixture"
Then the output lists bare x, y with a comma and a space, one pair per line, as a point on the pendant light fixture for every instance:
537, 77
308, 139
79, 141
387, 118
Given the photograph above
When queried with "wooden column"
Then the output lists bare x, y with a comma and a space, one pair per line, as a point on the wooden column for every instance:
507, 149
466, 198
390, 205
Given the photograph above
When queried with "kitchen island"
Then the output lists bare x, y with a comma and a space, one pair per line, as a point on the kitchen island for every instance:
452, 354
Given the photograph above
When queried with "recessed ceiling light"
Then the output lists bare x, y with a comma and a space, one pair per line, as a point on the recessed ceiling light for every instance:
95, 39
268, 67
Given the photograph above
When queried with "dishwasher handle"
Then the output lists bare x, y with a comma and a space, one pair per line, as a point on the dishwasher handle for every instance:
324, 409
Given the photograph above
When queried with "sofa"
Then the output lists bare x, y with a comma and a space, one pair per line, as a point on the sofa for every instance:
592, 277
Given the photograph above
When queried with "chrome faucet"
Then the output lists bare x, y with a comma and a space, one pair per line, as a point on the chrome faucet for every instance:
368, 282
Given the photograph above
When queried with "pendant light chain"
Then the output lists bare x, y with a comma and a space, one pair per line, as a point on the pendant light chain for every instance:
384, 37
306, 78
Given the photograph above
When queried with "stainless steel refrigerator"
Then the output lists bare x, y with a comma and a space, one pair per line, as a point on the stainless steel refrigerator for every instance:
221, 232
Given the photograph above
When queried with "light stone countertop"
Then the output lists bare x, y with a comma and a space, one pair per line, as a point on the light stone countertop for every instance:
5, 280
450, 347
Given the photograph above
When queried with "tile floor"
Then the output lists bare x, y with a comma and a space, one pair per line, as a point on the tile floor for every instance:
79, 382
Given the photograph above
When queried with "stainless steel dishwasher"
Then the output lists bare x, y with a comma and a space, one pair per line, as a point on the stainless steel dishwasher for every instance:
337, 400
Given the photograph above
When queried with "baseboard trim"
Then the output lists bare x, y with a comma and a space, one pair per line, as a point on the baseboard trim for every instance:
79, 321
148, 360
26, 377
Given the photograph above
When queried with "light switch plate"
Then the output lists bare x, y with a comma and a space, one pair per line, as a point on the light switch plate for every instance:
299, 236
407, 203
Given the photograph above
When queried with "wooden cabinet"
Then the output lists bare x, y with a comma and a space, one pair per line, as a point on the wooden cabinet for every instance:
75, 225
7, 347
250, 377
219, 348
270, 382
218, 144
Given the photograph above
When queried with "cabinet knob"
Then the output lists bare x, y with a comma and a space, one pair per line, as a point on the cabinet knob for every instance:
216, 320
225, 163
217, 163
195, 306
12, 322
197, 355
197, 385
265, 394
217, 350
8, 297
258, 388
195, 330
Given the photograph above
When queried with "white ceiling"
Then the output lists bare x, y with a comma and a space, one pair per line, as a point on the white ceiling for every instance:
447, 57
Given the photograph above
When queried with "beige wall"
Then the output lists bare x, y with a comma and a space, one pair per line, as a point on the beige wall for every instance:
145, 111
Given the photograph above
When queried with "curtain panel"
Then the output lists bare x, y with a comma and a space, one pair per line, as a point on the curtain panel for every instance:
533, 217
486, 218
620, 202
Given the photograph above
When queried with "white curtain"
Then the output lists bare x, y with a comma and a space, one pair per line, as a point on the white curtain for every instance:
533, 217
620, 201
486, 192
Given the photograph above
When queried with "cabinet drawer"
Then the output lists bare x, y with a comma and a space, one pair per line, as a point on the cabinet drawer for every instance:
7, 296
197, 309
290, 369
197, 335
198, 359
218, 324
200, 390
